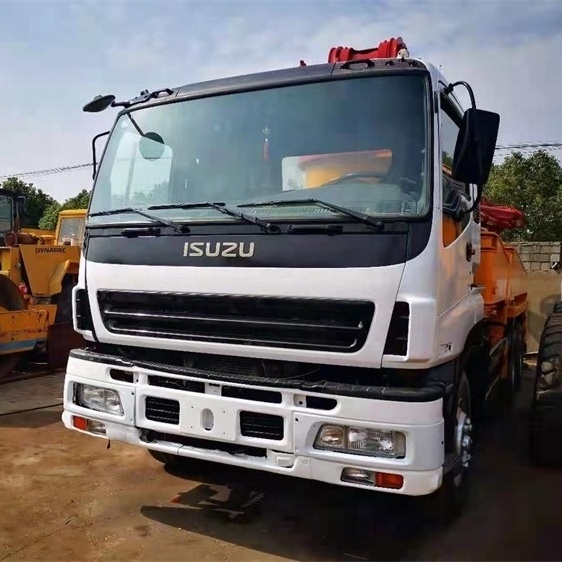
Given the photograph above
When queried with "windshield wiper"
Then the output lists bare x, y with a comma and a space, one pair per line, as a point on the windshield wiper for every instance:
222, 208
177, 227
367, 219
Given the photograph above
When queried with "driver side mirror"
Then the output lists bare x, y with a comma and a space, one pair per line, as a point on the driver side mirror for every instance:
476, 144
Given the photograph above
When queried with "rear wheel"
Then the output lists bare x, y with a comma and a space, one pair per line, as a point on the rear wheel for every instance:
446, 503
546, 407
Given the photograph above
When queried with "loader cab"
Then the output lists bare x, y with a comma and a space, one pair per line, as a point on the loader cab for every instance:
70, 227
6, 214
12, 210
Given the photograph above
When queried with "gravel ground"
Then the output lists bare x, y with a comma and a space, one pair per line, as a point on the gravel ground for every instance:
64, 496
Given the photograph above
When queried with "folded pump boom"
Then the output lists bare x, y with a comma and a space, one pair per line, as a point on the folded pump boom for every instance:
387, 49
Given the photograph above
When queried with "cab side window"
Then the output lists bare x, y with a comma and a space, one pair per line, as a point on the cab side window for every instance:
452, 189
6, 214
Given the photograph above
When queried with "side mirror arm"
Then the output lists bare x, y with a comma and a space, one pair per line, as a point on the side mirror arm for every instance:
94, 158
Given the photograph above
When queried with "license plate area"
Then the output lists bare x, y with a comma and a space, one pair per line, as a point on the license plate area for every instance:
214, 417
208, 418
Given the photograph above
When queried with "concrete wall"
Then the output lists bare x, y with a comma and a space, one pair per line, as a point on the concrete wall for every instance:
544, 284
539, 256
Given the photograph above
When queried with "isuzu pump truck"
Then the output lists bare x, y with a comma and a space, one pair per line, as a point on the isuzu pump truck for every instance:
291, 272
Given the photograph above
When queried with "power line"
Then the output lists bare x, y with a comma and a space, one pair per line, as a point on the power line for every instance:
48, 172
71, 168
531, 145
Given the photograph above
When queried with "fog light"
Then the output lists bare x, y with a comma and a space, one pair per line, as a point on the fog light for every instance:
362, 441
358, 475
96, 427
98, 398
378, 479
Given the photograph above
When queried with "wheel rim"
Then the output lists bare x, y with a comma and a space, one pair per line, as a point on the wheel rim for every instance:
463, 435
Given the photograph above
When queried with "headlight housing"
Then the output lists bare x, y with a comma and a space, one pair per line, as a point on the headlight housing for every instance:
362, 441
99, 399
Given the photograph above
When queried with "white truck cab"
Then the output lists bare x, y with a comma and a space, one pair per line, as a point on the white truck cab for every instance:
278, 274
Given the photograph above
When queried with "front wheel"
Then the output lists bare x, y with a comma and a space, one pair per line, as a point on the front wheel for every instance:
447, 503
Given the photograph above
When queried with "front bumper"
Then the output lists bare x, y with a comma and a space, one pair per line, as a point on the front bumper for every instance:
289, 450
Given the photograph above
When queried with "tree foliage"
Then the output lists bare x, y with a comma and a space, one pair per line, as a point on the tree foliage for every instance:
532, 184
49, 219
36, 200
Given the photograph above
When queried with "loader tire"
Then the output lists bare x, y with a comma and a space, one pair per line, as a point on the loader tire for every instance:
557, 308
11, 300
546, 410
64, 303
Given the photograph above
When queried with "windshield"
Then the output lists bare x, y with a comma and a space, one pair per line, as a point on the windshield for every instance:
6, 214
359, 143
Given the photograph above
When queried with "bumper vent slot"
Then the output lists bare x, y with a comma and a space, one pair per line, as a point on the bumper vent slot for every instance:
162, 410
397, 339
318, 324
262, 426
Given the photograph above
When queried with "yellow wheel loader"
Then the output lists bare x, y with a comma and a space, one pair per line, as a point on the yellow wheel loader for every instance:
38, 270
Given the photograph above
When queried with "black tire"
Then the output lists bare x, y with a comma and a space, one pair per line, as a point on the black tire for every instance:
549, 353
557, 308
11, 300
447, 503
64, 303
167, 459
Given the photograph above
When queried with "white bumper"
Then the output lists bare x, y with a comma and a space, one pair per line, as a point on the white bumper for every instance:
293, 454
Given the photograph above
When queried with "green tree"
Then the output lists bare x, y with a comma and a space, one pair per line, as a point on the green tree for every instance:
36, 200
49, 219
532, 184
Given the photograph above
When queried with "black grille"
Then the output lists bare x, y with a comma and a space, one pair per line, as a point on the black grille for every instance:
320, 324
263, 426
162, 410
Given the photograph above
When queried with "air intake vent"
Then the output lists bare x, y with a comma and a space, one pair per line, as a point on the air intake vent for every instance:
397, 339
262, 426
162, 410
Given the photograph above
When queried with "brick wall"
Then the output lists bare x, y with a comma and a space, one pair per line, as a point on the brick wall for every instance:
539, 256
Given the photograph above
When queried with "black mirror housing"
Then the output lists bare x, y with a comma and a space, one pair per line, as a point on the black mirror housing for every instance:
99, 103
476, 144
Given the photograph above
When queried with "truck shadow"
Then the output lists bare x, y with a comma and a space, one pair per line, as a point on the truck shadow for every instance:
510, 515
295, 519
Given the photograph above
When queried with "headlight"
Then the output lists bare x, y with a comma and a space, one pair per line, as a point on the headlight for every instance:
100, 399
362, 441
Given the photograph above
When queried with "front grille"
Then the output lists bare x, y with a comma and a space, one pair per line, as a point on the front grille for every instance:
162, 410
262, 426
318, 324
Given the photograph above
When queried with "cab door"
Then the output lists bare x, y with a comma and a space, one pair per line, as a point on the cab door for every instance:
459, 250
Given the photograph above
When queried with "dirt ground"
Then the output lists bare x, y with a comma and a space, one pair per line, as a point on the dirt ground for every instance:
64, 496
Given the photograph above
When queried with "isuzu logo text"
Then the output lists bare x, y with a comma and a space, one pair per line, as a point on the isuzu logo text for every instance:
218, 249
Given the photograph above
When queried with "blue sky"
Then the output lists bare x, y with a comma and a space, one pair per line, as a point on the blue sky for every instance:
56, 55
